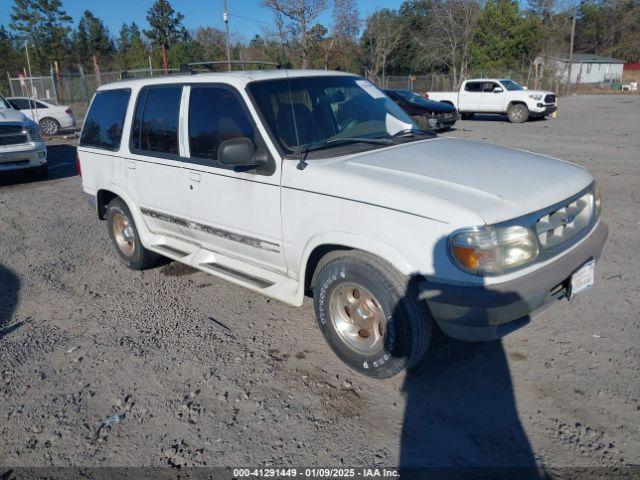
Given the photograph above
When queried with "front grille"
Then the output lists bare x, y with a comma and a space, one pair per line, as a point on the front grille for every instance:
12, 139
551, 98
565, 223
11, 129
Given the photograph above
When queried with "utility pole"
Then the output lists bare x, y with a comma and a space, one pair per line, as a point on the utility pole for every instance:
225, 17
573, 34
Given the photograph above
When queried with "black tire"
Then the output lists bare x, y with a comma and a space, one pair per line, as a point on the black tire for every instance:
49, 126
518, 113
138, 257
407, 326
466, 116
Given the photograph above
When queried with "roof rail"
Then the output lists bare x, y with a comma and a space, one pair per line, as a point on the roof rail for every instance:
211, 65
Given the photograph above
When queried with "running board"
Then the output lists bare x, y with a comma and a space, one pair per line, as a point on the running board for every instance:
244, 277
172, 250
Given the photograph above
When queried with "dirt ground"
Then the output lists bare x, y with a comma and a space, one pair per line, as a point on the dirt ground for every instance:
102, 366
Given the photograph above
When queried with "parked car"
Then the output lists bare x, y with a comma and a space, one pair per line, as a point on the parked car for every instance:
51, 118
427, 114
294, 183
502, 96
21, 146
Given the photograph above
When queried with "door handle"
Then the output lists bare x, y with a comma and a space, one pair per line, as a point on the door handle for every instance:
131, 165
194, 177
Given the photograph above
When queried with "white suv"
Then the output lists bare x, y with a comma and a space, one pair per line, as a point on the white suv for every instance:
295, 183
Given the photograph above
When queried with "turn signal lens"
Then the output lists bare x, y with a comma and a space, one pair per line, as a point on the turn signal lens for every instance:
492, 251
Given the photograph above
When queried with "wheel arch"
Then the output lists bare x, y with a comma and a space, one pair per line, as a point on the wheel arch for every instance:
322, 249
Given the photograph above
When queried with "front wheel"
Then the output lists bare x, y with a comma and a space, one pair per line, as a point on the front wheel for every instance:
518, 113
370, 315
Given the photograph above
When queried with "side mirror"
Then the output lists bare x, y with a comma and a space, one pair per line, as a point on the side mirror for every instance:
238, 152
498, 90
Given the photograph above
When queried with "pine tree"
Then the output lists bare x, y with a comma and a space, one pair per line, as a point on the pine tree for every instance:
44, 24
166, 27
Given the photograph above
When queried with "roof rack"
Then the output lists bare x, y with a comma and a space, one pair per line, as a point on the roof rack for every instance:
213, 64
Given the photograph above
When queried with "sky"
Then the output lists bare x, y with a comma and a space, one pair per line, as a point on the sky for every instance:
247, 17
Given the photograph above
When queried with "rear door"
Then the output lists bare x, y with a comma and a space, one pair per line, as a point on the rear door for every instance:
231, 212
153, 167
469, 97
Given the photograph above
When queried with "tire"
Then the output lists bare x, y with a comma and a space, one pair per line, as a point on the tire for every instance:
125, 238
466, 116
49, 126
518, 113
370, 315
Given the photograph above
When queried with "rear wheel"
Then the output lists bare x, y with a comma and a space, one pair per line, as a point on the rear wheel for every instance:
370, 315
518, 113
49, 126
125, 238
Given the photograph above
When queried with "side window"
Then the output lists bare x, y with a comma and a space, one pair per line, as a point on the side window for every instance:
489, 86
155, 125
216, 114
105, 120
473, 86
41, 105
20, 103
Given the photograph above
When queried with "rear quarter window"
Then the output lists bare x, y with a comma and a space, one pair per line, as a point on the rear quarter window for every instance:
105, 120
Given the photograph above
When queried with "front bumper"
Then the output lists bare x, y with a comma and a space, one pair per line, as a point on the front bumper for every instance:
480, 313
22, 158
544, 109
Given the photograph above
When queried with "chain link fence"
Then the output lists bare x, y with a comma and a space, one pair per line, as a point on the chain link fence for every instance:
439, 82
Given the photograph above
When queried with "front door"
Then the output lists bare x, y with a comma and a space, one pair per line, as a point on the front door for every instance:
492, 101
232, 212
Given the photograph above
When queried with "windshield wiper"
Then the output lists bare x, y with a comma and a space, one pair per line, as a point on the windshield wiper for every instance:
414, 131
327, 142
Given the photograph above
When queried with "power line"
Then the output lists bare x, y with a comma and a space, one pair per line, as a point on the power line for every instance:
249, 19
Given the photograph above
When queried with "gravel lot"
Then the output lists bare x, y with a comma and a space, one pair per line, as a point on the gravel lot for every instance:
100, 365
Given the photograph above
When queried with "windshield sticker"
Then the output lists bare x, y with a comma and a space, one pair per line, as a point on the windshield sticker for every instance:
395, 125
371, 89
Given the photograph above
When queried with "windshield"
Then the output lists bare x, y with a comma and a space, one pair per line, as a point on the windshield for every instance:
4, 103
511, 85
412, 97
309, 113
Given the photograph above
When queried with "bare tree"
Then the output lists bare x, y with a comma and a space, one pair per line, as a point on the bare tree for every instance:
298, 16
447, 38
345, 28
381, 37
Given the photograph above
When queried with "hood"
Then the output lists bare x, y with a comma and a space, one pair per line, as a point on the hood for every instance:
451, 180
526, 93
14, 116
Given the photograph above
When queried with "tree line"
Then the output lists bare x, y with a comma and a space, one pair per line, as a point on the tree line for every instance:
455, 37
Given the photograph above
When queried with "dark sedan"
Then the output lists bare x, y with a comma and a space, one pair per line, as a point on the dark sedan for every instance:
429, 115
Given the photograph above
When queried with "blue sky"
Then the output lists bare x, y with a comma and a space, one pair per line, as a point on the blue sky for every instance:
246, 15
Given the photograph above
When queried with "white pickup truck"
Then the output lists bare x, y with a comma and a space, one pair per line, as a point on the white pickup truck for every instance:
490, 95
22, 149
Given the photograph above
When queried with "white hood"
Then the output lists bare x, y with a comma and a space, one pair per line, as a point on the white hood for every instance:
448, 179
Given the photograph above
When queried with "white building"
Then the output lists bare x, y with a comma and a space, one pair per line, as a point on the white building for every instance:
586, 68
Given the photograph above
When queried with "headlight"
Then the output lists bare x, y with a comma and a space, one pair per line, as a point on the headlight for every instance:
491, 251
536, 96
34, 133
597, 201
